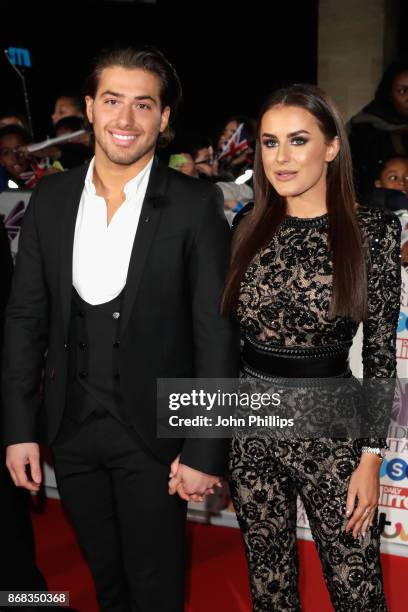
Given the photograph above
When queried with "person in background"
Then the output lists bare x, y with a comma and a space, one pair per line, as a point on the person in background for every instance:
380, 130
13, 159
239, 157
12, 118
18, 165
391, 185
67, 105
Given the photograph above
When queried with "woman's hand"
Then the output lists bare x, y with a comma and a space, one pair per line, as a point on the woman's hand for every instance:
364, 486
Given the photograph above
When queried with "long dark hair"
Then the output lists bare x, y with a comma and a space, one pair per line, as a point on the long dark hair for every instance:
145, 58
349, 297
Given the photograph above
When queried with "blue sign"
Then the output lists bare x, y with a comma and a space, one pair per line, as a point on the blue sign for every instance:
19, 57
402, 322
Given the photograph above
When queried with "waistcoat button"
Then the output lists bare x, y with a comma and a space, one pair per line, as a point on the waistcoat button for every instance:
116, 315
82, 345
116, 344
83, 374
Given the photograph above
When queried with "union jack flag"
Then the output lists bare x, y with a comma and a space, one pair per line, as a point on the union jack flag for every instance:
236, 144
12, 221
32, 177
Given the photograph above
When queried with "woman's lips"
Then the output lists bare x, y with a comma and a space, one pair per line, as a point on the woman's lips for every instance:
285, 175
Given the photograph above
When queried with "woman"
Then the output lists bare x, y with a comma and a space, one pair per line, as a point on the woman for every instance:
307, 267
380, 130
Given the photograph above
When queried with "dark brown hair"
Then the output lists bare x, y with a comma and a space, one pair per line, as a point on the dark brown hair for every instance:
349, 297
146, 58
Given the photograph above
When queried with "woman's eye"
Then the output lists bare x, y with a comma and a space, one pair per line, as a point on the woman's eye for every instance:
270, 143
298, 140
392, 177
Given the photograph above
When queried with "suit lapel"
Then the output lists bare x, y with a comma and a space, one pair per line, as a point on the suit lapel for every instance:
146, 230
69, 207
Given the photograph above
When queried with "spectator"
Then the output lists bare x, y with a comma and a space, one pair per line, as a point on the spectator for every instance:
239, 159
391, 185
13, 160
67, 106
380, 130
13, 119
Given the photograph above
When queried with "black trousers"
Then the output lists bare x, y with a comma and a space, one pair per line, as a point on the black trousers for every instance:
131, 530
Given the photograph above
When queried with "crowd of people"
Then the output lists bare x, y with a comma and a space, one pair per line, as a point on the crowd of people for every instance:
148, 286
378, 137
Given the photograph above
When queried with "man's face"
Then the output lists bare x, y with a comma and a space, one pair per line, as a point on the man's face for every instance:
126, 115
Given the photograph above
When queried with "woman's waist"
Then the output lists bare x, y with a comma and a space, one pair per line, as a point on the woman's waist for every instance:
321, 361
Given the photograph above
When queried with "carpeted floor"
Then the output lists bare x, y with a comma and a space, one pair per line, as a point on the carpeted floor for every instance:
217, 578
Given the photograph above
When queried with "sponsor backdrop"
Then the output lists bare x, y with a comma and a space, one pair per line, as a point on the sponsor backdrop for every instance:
393, 506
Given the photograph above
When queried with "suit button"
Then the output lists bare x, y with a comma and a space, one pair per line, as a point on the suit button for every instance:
116, 344
116, 376
66, 346
82, 345
116, 315
83, 374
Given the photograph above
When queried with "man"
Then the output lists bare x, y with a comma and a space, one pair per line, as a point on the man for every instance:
118, 278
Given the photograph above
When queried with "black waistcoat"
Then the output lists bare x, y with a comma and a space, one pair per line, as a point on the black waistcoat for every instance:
94, 380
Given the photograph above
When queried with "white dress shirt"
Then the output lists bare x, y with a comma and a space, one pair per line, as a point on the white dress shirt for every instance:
102, 252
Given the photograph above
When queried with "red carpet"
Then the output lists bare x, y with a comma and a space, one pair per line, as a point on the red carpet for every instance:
217, 578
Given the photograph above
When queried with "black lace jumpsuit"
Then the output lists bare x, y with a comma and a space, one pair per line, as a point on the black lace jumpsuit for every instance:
284, 301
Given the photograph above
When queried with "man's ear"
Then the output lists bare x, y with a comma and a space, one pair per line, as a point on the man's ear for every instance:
165, 117
333, 149
89, 108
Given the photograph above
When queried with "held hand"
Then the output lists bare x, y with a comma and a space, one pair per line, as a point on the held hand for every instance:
365, 487
192, 484
17, 458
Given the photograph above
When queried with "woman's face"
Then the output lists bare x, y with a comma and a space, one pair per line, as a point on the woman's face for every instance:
399, 93
295, 154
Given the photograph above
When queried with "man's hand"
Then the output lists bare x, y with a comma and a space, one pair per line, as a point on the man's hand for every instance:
191, 484
17, 458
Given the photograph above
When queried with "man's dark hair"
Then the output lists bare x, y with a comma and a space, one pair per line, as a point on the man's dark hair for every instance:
146, 58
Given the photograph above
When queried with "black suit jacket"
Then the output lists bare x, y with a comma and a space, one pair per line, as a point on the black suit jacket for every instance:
170, 321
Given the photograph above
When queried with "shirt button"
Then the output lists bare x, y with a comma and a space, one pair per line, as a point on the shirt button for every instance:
82, 345
116, 315
83, 374
116, 344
